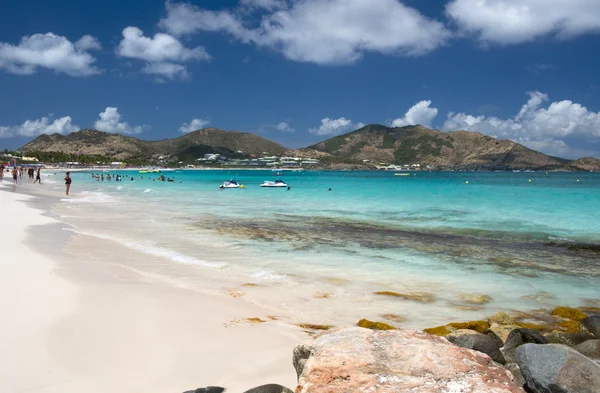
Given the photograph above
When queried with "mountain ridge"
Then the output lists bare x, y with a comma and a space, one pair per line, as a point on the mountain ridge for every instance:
371, 144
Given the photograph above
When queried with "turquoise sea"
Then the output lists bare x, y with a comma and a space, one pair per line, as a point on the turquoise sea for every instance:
527, 240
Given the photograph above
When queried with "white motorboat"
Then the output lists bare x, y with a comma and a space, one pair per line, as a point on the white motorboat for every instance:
276, 183
231, 184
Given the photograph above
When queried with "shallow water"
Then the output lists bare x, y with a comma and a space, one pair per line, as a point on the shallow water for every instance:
321, 254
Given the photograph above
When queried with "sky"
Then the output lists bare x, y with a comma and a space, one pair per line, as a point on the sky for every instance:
301, 71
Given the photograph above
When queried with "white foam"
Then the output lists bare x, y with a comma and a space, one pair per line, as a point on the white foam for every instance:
152, 249
90, 197
266, 275
147, 190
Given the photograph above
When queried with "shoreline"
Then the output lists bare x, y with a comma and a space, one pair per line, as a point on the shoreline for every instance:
107, 328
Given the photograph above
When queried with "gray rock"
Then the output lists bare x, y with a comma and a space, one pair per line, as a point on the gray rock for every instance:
516, 373
590, 348
570, 339
492, 334
522, 336
555, 368
479, 342
592, 325
208, 389
270, 388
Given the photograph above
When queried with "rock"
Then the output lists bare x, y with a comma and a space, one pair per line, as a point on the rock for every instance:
474, 299
422, 297
522, 336
270, 388
365, 323
478, 326
208, 389
502, 319
592, 325
460, 332
478, 342
362, 360
569, 339
503, 331
555, 368
493, 335
569, 313
516, 373
589, 348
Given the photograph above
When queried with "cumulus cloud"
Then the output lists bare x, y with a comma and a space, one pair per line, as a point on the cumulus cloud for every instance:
45, 125
517, 21
335, 126
109, 121
266, 4
321, 32
195, 124
284, 127
420, 113
163, 52
50, 51
545, 129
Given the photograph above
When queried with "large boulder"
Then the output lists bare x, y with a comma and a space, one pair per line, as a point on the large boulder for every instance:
555, 368
478, 342
355, 359
592, 325
590, 348
522, 336
270, 388
569, 339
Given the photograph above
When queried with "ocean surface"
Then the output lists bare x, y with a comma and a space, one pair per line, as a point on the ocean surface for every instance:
527, 240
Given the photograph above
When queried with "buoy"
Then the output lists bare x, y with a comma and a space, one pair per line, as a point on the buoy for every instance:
546, 173
577, 180
529, 180
242, 186
467, 182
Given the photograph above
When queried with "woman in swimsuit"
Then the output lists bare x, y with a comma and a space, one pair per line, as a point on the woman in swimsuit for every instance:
68, 181
38, 177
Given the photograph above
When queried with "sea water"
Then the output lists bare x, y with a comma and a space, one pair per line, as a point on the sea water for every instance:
321, 249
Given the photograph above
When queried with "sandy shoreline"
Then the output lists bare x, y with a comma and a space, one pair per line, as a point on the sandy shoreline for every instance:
79, 323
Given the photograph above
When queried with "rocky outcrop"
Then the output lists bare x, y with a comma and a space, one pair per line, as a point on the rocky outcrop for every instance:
555, 368
355, 359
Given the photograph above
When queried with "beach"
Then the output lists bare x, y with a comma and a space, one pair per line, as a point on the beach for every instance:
74, 324
142, 285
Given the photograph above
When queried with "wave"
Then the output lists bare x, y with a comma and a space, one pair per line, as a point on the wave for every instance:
90, 197
154, 250
266, 275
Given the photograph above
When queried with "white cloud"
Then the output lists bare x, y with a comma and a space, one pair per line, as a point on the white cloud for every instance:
109, 121
284, 127
420, 113
544, 129
45, 125
321, 32
266, 4
87, 42
163, 52
335, 126
517, 21
195, 124
49, 51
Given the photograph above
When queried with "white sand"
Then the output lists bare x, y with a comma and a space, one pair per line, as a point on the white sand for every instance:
73, 326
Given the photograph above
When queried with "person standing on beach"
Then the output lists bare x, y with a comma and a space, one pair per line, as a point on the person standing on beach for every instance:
2, 173
38, 176
15, 173
68, 181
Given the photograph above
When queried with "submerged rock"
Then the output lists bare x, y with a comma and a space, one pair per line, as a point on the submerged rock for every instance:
422, 297
270, 388
475, 299
591, 325
354, 360
502, 319
589, 348
569, 313
478, 342
365, 323
555, 368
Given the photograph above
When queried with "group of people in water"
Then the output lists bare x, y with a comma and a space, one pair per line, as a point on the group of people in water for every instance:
109, 177
17, 173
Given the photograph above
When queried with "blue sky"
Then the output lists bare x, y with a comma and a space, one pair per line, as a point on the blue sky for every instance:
298, 72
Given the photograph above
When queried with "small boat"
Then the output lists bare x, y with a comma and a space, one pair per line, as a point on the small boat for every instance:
401, 174
231, 184
276, 183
